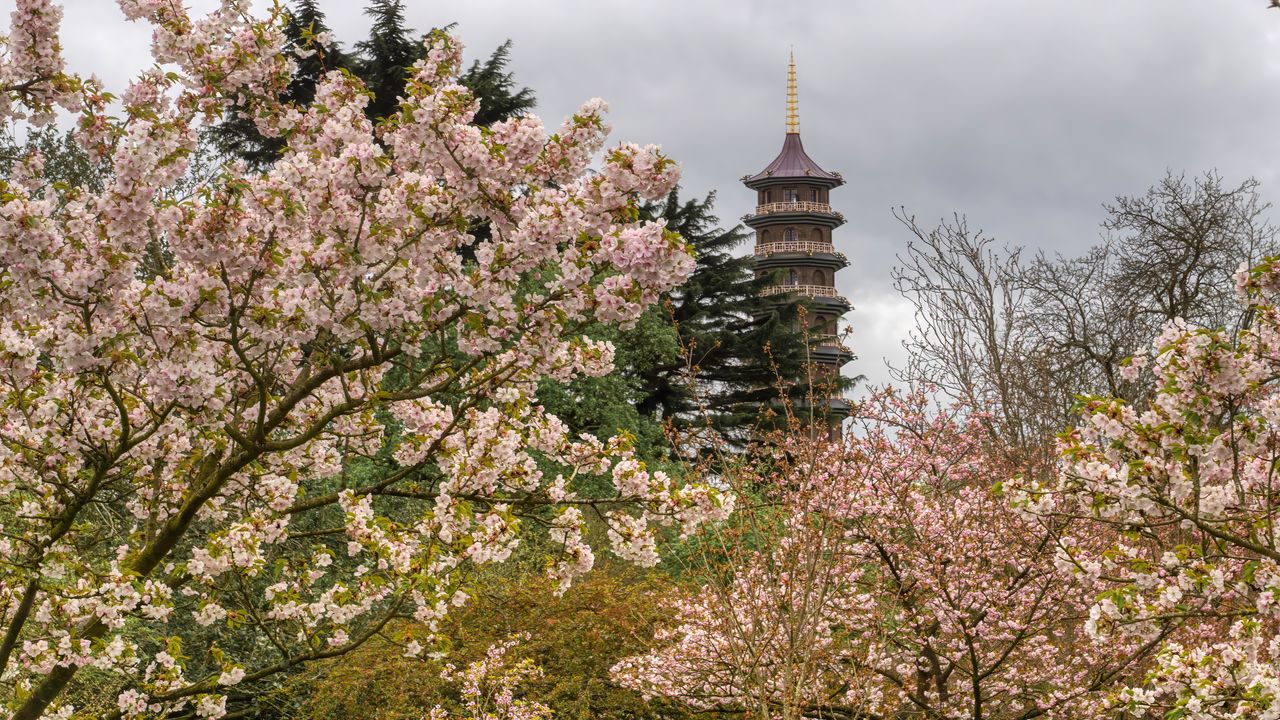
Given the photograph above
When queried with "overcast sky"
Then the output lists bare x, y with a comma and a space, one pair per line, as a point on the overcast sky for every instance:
1025, 116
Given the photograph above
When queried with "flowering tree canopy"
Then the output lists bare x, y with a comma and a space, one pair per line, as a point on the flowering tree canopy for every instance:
293, 405
1191, 478
903, 585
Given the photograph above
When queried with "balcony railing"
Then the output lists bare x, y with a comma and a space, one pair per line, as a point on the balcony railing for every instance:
796, 207
812, 291
803, 247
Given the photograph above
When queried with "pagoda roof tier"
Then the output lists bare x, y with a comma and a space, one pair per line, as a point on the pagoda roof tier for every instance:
792, 164
836, 355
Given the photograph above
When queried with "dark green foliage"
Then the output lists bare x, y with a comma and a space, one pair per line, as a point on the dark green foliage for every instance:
495, 87
306, 22
237, 135
382, 62
391, 50
608, 405
739, 347
66, 165
386, 56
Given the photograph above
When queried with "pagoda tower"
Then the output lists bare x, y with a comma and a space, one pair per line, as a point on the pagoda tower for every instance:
793, 223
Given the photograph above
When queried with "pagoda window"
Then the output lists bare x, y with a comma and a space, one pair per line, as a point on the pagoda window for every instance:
790, 195
789, 235
813, 195
792, 278
768, 196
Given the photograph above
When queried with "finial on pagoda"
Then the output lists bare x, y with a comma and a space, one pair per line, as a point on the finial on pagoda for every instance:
793, 108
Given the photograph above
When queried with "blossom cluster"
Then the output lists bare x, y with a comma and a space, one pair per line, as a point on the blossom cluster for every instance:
33, 81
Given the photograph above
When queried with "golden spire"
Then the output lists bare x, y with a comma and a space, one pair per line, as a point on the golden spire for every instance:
793, 108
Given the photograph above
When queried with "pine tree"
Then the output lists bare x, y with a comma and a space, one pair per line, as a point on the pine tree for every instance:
305, 23
391, 50
238, 136
382, 62
495, 87
386, 56
739, 346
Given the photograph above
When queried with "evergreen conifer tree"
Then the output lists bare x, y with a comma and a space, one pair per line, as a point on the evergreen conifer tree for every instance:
386, 56
392, 48
237, 135
495, 87
382, 61
306, 22
741, 350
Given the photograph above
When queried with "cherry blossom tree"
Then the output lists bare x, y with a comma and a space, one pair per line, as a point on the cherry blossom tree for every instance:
293, 405
900, 583
1191, 480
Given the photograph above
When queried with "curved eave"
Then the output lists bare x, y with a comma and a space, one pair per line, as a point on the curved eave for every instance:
760, 182
755, 222
837, 407
819, 301
776, 261
831, 303
830, 355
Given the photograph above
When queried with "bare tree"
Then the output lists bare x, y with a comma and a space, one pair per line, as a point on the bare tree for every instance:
1083, 324
971, 339
1179, 243
1027, 337
1168, 254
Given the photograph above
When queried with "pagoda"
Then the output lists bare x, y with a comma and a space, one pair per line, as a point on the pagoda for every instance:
793, 224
